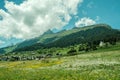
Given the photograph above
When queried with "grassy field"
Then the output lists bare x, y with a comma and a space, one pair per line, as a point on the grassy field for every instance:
102, 64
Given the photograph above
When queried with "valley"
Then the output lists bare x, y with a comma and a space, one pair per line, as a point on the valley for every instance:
59, 39
102, 64
88, 53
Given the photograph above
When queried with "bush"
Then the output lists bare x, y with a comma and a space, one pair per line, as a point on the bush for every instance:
72, 52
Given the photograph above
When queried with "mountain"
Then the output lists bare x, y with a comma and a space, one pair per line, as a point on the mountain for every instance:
93, 33
48, 32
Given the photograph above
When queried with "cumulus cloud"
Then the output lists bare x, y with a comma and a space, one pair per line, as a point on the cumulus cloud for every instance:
86, 21
33, 17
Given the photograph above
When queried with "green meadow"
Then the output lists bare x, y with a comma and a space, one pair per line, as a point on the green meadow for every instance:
102, 64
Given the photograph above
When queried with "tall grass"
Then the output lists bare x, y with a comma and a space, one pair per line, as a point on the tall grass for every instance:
100, 72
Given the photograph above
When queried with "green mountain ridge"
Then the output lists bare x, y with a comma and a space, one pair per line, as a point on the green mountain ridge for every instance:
64, 38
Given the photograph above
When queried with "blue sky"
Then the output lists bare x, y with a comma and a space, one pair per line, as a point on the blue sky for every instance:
87, 12
108, 11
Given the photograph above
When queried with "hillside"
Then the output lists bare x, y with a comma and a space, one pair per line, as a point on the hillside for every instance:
93, 33
49, 36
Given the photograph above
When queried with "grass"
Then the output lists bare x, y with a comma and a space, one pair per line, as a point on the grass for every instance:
103, 64
100, 72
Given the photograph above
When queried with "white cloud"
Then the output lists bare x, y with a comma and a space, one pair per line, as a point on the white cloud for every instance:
84, 22
33, 17
1, 42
